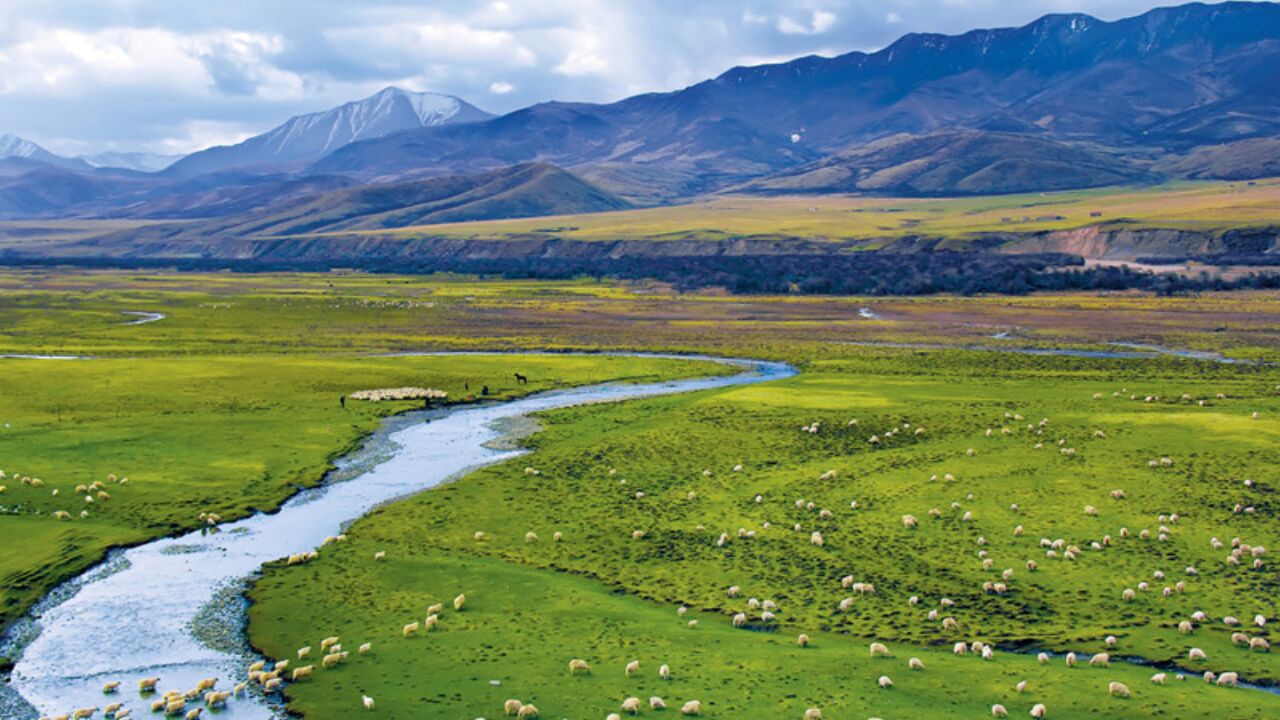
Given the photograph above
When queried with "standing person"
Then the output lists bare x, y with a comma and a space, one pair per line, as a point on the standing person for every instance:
343, 402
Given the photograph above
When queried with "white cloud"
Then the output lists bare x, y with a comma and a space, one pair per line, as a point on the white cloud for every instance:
585, 56
199, 134
449, 42
893, 18
819, 22
501, 87
52, 61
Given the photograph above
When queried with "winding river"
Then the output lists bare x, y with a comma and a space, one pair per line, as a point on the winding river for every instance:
172, 607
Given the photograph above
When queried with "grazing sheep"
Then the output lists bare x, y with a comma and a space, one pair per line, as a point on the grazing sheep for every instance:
111, 687
1021, 687
410, 629
631, 706
303, 652
332, 660
885, 682
1196, 654
215, 699
960, 648
364, 649
1100, 660
909, 522
459, 601
656, 703
879, 650
1039, 711
998, 710
367, 701
526, 712
380, 555
915, 664
802, 640
206, 684
1159, 678
813, 714
740, 620
693, 707
816, 538
1118, 689
1071, 659
148, 685
1042, 658
664, 671
511, 707
84, 713
613, 716
576, 666
301, 673
1259, 644
1209, 676
193, 714
1239, 639
1228, 679
632, 668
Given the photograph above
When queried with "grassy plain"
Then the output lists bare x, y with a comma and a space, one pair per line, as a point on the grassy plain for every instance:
1201, 206
529, 610
238, 356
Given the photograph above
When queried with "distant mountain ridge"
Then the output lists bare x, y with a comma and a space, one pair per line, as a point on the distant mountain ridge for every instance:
1164, 82
305, 138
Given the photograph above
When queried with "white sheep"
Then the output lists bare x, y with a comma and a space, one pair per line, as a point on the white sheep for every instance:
1039, 711
1118, 689
632, 668
999, 710
631, 706
885, 682
879, 650
692, 707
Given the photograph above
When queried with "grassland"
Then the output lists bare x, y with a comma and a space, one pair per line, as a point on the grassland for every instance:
229, 427
1199, 206
530, 610
230, 402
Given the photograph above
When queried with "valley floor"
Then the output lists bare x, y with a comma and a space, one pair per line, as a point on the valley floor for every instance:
231, 402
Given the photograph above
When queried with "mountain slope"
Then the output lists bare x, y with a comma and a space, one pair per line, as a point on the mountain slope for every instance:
1169, 80
140, 161
528, 190
14, 147
305, 138
966, 162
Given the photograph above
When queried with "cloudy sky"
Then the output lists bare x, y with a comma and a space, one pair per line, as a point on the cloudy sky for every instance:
177, 75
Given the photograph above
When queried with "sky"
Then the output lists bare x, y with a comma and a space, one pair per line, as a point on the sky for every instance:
174, 76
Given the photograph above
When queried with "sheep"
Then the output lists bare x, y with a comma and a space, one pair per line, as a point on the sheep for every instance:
632, 668
1021, 687
998, 710
459, 601
879, 650
949, 623
577, 665
193, 714
304, 651
631, 706
301, 673
511, 707
380, 555
657, 703
208, 684
111, 687
1185, 627
909, 522
816, 538
148, 685
813, 714
410, 629
527, 711
1039, 711
1071, 659
367, 702
364, 648
332, 660
802, 640
1259, 644
1100, 660
613, 716
1042, 658
112, 709
1128, 595
1196, 654
1159, 678
214, 699
693, 707
664, 671
885, 682
960, 648
740, 620
1239, 639
84, 713
1118, 689
1228, 679
1209, 676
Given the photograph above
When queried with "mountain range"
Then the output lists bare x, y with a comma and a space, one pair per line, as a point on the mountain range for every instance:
1066, 101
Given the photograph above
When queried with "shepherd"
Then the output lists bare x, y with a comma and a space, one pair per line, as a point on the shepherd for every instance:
343, 402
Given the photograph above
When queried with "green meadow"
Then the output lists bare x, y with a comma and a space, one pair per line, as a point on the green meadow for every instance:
606, 596
230, 404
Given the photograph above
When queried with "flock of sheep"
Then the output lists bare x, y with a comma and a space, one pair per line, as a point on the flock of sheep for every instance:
948, 616
91, 495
